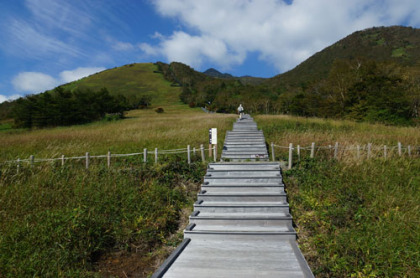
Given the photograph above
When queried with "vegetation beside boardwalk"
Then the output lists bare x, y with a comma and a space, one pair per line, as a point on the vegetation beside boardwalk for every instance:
354, 218
357, 220
58, 221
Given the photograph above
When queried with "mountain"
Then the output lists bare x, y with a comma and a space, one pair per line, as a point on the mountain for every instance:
215, 73
132, 81
369, 75
397, 44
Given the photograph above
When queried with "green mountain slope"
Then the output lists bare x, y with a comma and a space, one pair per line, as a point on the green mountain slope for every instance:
397, 44
132, 81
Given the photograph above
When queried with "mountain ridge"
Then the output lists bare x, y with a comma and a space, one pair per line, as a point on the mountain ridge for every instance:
215, 73
396, 44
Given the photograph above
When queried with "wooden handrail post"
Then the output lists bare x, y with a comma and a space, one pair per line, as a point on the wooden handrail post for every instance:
399, 149
385, 152
273, 157
289, 166
108, 159
189, 154
313, 150
298, 152
156, 155
32, 160
203, 158
87, 160
336, 150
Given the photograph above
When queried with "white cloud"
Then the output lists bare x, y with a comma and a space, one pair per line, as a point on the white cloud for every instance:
33, 82
36, 82
4, 98
123, 46
223, 32
149, 49
76, 74
25, 40
60, 14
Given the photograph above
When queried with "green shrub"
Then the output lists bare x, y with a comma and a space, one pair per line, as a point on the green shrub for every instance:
357, 220
58, 221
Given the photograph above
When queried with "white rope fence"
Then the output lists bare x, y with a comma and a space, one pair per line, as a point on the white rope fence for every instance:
338, 150
87, 157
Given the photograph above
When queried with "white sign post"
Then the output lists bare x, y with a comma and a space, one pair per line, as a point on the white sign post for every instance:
213, 141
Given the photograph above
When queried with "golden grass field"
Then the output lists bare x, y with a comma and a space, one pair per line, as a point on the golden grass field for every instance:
176, 128
180, 126
283, 129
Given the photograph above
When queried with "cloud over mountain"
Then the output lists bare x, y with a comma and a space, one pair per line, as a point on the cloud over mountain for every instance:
283, 33
36, 82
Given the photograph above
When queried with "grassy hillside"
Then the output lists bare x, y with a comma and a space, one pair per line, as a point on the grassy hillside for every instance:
133, 80
397, 44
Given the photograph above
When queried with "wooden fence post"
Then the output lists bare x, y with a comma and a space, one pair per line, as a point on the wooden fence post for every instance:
87, 160
189, 154
62, 160
194, 151
144, 155
273, 157
203, 158
385, 152
313, 150
108, 159
369, 150
409, 150
32, 160
215, 152
290, 156
156, 155
399, 149
298, 152
336, 150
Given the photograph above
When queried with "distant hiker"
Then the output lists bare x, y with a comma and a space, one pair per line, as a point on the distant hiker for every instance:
240, 111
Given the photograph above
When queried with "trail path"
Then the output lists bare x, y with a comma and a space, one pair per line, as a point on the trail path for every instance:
241, 225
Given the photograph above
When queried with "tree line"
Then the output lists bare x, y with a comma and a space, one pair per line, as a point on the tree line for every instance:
62, 107
356, 89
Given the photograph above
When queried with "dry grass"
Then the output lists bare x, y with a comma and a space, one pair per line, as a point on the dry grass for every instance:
177, 127
282, 130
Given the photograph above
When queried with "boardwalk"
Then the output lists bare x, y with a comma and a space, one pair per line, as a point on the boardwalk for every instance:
241, 225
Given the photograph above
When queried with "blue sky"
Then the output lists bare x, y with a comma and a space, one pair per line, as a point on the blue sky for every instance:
45, 43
